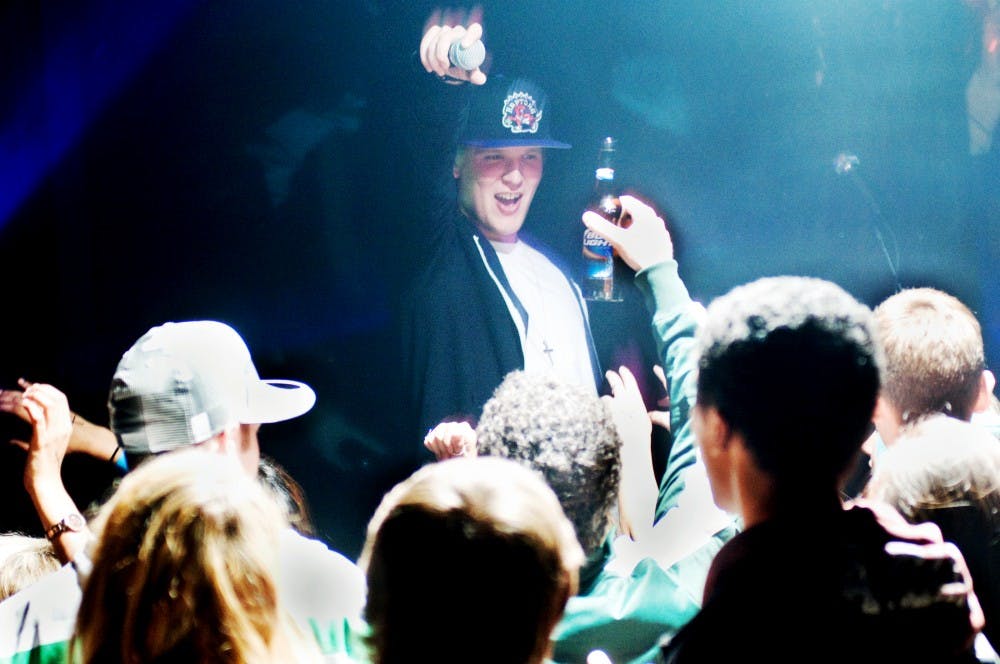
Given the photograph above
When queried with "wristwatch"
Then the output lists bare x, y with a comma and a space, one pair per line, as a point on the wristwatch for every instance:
74, 522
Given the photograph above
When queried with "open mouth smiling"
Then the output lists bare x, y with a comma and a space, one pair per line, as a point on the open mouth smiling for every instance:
508, 200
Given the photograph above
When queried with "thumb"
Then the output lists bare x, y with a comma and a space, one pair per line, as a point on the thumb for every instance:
472, 34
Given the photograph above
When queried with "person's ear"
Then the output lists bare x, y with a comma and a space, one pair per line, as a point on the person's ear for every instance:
228, 440
886, 420
882, 410
987, 382
456, 166
215, 444
715, 432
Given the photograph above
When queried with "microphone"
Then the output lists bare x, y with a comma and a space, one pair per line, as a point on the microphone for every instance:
467, 58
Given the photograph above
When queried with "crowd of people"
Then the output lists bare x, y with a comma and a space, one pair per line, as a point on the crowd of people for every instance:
539, 529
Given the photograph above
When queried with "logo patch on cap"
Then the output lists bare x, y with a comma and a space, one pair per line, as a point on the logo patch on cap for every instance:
520, 113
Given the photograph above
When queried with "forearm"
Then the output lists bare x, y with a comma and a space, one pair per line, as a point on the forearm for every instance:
53, 504
674, 320
48, 411
638, 493
94, 439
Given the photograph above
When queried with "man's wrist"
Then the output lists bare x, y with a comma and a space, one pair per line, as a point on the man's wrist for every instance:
661, 286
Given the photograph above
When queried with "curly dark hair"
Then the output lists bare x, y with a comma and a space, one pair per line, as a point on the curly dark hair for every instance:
792, 363
566, 433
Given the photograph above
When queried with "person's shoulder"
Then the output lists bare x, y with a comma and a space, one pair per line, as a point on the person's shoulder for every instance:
750, 548
304, 551
455, 263
625, 613
453, 237
41, 617
764, 563
317, 582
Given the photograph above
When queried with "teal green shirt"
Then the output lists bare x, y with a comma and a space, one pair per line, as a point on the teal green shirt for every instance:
626, 615
674, 324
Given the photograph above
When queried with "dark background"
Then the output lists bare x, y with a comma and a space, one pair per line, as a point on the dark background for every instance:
267, 163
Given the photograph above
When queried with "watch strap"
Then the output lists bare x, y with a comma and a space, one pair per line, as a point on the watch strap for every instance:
74, 522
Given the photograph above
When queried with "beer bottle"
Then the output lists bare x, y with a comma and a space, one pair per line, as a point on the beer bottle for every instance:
599, 257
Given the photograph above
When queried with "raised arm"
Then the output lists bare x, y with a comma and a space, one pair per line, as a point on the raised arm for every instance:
685, 519
49, 414
637, 496
645, 245
86, 437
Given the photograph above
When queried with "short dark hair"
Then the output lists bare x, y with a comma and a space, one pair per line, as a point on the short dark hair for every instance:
934, 353
566, 433
793, 365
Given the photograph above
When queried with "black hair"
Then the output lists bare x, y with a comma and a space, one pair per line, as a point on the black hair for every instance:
792, 364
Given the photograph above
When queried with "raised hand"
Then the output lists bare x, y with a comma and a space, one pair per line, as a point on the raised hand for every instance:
441, 31
661, 418
52, 425
449, 440
638, 490
85, 436
10, 402
642, 239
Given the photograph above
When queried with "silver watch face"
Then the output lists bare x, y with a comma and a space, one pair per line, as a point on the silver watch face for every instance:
75, 522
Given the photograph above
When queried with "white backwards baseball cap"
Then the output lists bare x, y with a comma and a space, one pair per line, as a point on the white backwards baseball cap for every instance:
182, 383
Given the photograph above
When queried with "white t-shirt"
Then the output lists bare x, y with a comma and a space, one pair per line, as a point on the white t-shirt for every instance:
317, 583
556, 338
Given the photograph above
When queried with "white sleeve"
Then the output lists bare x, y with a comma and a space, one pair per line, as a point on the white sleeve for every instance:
318, 583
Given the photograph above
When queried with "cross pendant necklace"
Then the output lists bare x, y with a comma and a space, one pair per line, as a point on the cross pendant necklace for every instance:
548, 350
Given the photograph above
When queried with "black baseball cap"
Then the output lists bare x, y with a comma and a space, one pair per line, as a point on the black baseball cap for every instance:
506, 113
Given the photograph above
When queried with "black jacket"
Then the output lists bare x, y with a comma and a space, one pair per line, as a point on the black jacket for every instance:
460, 338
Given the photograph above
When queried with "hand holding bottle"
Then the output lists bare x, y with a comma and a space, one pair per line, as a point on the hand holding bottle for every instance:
642, 238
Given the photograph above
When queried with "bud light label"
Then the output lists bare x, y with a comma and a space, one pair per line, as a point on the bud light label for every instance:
599, 255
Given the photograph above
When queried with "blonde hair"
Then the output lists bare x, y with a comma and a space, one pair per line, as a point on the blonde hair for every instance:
939, 462
184, 568
947, 471
24, 560
482, 542
934, 353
